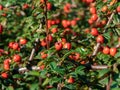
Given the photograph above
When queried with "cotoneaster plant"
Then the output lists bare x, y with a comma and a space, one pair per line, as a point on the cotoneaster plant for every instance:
59, 45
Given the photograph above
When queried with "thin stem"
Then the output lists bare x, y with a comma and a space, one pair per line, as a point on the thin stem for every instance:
98, 44
47, 30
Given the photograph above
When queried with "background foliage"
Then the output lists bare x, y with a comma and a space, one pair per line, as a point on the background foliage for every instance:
63, 21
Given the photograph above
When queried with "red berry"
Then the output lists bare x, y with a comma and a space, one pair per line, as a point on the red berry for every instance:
43, 55
67, 8
118, 9
71, 80
43, 43
54, 30
1, 7
90, 21
17, 58
23, 41
113, 51
1, 28
49, 38
4, 75
58, 46
49, 6
7, 64
15, 46
104, 9
106, 50
64, 23
94, 17
57, 21
11, 44
73, 22
67, 46
100, 39
93, 10
103, 22
94, 32
53, 22
25, 6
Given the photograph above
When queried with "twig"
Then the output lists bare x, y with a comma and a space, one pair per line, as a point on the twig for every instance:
99, 67
96, 49
24, 69
109, 83
33, 50
98, 44
47, 31
59, 87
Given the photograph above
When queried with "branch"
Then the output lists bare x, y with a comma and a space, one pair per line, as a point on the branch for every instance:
99, 67
33, 50
109, 83
24, 69
98, 44
47, 30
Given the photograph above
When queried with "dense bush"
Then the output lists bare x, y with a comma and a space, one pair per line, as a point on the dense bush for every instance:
59, 44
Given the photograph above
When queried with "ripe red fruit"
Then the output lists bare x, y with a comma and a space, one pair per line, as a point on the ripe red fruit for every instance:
53, 22
6, 66
73, 22
67, 46
89, 1
64, 23
42, 67
54, 30
23, 41
42, 1
94, 17
87, 30
113, 51
82, 62
71, 80
58, 46
104, 9
11, 44
49, 38
17, 58
94, 32
15, 46
118, 9
93, 10
103, 22
74, 56
100, 39
4, 14
4, 75
67, 8
90, 21
43, 55
106, 50
25, 6
1, 7
49, 6
1, 28
43, 43
57, 21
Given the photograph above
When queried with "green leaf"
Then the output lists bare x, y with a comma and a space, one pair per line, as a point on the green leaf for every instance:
102, 72
79, 70
34, 86
54, 80
117, 54
47, 80
53, 65
33, 73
